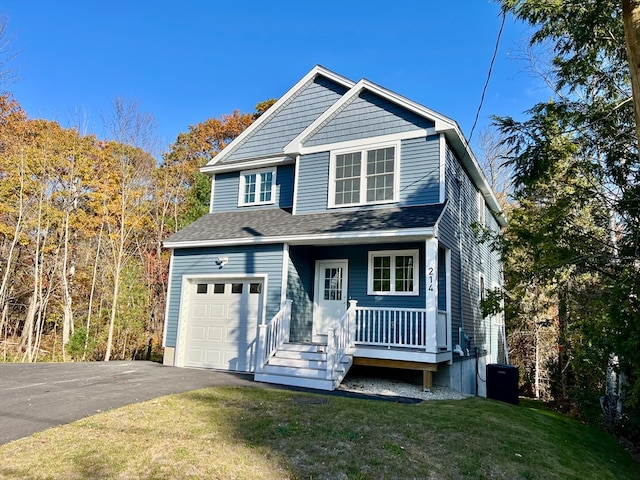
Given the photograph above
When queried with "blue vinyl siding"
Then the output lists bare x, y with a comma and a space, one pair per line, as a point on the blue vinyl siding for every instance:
419, 166
265, 259
300, 291
455, 232
292, 118
420, 171
368, 115
313, 183
226, 188
300, 287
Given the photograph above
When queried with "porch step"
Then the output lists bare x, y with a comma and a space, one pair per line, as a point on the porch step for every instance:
293, 371
295, 381
302, 365
300, 355
299, 362
303, 347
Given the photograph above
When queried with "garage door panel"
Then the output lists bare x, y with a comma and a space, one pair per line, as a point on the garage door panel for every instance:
222, 326
195, 355
218, 311
216, 334
213, 357
197, 333
199, 310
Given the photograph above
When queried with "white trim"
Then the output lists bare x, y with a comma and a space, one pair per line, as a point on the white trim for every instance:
480, 201
296, 176
394, 253
299, 239
447, 259
258, 186
443, 166
365, 148
361, 142
166, 308
316, 71
431, 291
185, 299
285, 274
248, 165
213, 184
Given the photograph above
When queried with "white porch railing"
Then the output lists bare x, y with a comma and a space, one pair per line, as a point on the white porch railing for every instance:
273, 334
395, 328
340, 339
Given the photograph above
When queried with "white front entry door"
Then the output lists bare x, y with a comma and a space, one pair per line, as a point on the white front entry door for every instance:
330, 298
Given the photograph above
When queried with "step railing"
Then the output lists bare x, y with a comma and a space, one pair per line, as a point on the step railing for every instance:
394, 328
273, 335
340, 339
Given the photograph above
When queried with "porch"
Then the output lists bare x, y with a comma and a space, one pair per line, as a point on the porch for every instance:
407, 338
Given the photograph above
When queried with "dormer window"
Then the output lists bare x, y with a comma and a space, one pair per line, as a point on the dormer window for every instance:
364, 176
257, 187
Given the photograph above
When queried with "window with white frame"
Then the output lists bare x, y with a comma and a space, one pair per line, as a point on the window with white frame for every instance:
364, 176
257, 187
393, 272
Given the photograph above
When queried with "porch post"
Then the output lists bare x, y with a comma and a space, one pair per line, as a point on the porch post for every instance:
431, 278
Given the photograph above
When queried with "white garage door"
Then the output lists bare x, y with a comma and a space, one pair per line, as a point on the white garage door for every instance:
222, 324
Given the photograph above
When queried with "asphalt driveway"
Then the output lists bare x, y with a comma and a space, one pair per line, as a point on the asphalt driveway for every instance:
37, 396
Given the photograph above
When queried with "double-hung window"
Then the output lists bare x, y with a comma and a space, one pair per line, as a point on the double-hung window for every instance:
393, 272
364, 176
257, 187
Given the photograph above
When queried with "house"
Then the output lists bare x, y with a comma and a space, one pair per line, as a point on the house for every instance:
339, 233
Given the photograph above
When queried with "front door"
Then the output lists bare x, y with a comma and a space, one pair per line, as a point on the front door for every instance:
330, 298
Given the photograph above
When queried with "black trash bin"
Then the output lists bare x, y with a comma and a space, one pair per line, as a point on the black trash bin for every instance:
502, 383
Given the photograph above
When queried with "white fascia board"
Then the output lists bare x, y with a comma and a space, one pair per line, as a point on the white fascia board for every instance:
369, 141
469, 161
315, 71
250, 165
304, 239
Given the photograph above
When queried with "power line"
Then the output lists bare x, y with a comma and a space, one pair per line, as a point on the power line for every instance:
484, 90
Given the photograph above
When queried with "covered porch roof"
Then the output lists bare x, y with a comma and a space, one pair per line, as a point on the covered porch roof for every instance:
276, 225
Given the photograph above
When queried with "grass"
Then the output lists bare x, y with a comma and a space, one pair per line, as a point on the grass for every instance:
235, 433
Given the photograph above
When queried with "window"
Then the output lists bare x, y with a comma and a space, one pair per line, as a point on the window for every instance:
218, 288
393, 273
257, 187
237, 287
364, 176
201, 288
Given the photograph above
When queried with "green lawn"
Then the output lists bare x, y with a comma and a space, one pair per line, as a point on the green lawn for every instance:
255, 433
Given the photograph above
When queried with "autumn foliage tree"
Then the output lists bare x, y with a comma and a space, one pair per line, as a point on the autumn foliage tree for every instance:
83, 274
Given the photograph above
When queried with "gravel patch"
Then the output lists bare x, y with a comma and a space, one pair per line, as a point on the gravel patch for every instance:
396, 387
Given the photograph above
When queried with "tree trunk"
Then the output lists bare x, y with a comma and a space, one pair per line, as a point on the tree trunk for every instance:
631, 19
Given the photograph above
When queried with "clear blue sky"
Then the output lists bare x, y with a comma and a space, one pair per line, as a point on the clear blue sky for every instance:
189, 60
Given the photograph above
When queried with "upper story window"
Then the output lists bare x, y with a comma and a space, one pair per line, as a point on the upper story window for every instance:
364, 176
257, 187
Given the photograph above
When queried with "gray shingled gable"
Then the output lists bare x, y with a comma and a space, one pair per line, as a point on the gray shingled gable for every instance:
288, 121
275, 222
